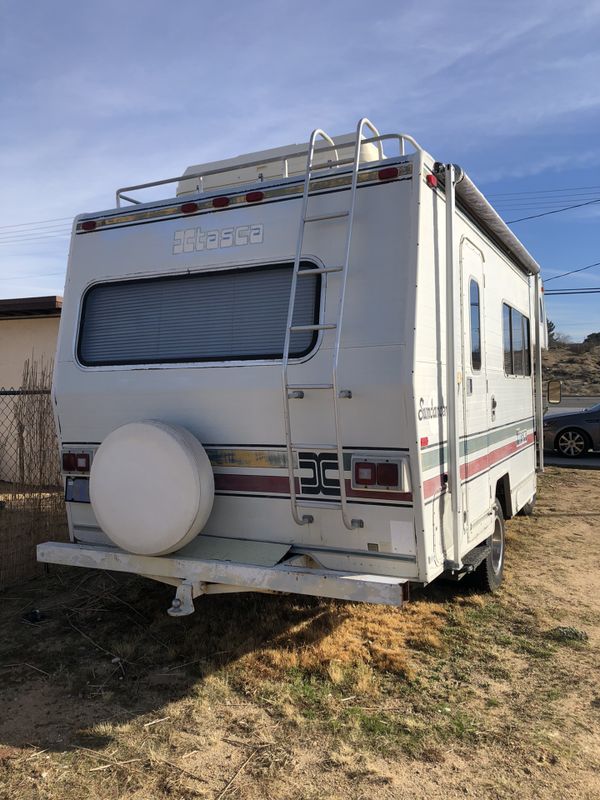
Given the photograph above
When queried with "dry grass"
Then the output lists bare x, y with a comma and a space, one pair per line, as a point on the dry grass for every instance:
579, 371
283, 697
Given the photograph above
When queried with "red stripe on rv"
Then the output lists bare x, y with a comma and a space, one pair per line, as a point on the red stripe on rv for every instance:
468, 470
270, 484
276, 484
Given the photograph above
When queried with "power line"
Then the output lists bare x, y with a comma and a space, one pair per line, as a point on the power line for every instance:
588, 290
38, 222
26, 277
14, 237
572, 272
545, 202
16, 242
556, 211
542, 191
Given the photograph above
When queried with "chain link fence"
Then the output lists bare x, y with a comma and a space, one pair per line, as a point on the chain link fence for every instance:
32, 507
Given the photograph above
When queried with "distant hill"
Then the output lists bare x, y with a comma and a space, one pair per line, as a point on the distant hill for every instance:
577, 367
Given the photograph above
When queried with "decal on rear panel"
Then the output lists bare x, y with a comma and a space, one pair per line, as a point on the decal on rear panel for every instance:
191, 240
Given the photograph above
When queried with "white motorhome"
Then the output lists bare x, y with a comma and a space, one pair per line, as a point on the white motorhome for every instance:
315, 369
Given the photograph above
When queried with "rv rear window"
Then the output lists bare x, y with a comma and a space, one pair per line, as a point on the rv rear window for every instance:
228, 315
517, 351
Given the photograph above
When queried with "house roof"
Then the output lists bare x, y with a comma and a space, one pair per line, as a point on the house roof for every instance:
31, 307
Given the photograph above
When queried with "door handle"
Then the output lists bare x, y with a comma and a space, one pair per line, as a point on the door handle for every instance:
494, 406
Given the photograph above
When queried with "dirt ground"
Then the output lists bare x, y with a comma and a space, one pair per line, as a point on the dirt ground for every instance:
457, 695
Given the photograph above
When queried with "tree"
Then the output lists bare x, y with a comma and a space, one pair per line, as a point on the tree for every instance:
552, 340
592, 339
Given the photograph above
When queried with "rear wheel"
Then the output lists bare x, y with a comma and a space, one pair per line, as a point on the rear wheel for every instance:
528, 508
488, 575
572, 443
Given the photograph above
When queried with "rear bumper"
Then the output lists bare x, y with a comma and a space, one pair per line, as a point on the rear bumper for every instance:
293, 574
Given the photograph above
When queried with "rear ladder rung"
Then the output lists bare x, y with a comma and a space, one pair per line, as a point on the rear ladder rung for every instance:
309, 386
319, 217
320, 270
329, 326
319, 503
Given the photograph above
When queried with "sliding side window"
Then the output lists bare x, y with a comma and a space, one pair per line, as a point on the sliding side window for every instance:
517, 349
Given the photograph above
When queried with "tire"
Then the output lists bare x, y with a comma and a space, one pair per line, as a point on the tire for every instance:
489, 574
572, 443
528, 508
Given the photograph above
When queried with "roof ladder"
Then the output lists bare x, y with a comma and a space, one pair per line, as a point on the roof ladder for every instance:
296, 391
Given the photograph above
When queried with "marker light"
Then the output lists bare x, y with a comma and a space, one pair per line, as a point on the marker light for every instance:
254, 197
89, 225
432, 181
189, 208
220, 202
388, 173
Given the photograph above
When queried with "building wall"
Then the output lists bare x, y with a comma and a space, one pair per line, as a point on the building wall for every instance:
21, 339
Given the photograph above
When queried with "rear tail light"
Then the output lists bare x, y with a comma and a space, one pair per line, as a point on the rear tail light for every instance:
69, 462
254, 197
76, 462
220, 202
89, 225
365, 473
189, 208
380, 472
387, 474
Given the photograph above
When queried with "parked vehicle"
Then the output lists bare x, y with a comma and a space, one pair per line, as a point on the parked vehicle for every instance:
316, 369
573, 433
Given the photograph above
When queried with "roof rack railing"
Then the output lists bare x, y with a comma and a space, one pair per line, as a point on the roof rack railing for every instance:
402, 138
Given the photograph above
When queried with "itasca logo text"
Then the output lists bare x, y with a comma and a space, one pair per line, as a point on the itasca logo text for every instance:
191, 240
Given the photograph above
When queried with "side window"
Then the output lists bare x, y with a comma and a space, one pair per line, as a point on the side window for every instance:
517, 342
507, 330
517, 349
475, 325
526, 347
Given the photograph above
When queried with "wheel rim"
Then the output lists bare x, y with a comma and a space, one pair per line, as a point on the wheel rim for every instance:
571, 443
497, 547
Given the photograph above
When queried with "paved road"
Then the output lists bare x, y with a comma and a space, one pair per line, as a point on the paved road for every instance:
573, 403
588, 462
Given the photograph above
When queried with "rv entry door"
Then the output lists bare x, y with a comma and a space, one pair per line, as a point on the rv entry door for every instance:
478, 412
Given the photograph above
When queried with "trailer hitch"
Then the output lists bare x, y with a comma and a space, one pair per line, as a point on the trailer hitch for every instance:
183, 602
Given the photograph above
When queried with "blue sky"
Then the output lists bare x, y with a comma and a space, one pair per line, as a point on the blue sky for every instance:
96, 96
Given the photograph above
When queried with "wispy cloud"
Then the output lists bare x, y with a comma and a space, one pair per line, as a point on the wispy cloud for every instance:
92, 101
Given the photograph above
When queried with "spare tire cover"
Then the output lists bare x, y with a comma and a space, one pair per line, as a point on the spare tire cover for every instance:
151, 487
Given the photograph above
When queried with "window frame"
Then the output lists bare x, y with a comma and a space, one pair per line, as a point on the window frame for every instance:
473, 280
525, 338
243, 360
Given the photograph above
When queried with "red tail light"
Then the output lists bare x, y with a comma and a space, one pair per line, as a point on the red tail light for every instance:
365, 473
88, 225
387, 474
76, 462
254, 197
69, 462
189, 208
220, 202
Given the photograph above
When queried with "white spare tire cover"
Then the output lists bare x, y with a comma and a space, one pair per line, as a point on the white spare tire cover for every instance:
151, 487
